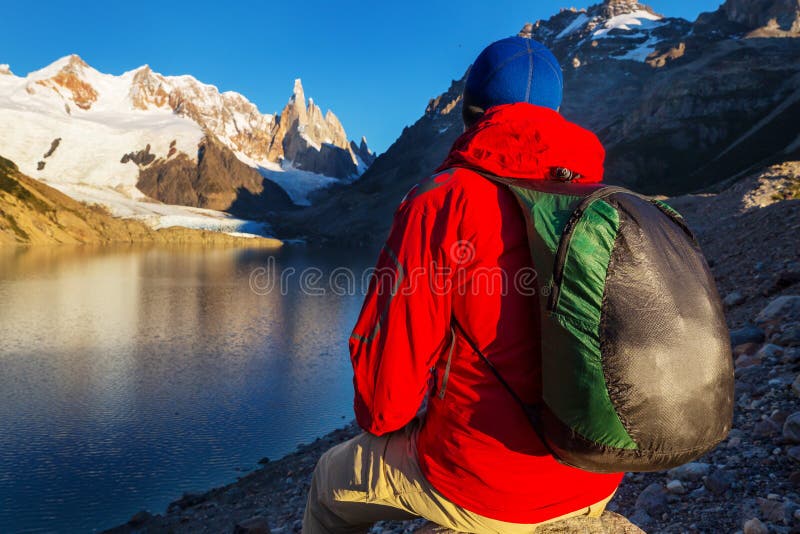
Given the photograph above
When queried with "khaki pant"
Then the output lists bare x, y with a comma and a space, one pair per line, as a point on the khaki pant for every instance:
370, 478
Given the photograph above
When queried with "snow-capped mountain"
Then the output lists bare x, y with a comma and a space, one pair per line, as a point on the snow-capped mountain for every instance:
615, 29
84, 123
112, 139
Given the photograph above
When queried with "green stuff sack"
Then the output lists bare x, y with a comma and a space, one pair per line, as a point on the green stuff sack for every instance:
637, 372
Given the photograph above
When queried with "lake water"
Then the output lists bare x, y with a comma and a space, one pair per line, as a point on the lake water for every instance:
131, 375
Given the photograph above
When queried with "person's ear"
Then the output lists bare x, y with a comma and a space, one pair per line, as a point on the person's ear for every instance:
470, 115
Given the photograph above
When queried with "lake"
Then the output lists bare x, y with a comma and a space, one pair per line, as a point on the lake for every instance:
130, 375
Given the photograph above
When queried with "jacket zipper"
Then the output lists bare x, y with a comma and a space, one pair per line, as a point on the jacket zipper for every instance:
446, 375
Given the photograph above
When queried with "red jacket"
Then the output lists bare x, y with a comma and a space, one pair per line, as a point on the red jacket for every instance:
458, 249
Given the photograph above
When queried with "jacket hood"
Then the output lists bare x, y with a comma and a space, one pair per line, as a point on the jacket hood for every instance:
527, 142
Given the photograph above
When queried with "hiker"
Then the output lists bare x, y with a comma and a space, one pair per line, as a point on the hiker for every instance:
471, 461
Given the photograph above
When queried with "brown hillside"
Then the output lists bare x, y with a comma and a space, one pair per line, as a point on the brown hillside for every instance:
33, 213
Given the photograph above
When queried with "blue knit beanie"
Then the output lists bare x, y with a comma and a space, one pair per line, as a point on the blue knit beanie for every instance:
516, 69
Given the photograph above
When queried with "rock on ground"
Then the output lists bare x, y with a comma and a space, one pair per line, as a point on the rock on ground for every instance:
608, 523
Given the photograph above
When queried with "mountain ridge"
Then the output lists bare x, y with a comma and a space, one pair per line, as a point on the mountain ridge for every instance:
680, 106
228, 115
118, 132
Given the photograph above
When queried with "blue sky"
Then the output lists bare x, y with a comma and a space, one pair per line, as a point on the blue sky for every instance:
375, 64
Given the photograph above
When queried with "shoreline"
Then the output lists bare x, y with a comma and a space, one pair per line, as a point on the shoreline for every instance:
273, 494
36, 214
172, 236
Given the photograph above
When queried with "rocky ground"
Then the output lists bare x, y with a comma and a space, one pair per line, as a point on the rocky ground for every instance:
749, 484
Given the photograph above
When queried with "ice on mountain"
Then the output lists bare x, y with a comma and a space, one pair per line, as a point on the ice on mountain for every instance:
641, 52
297, 183
130, 203
580, 21
637, 20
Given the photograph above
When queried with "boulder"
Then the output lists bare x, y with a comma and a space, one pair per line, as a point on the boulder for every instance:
719, 481
608, 523
788, 335
772, 510
746, 349
745, 360
769, 351
783, 309
747, 334
791, 428
733, 299
653, 500
784, 279
676, 487
754, 526
690, 471
791, 355
254, 525
765, 429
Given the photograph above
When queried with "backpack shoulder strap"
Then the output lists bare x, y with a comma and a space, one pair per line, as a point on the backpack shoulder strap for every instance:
531, 410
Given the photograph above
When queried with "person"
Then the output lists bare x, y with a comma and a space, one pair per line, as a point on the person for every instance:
457, 249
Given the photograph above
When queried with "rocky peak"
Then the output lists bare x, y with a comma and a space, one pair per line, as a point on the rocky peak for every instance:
613, 29
313, 110
614, 8
76, 61
362, 151
621, 14
310, 140
148, 89
229, 116
67, 77
527, 31
581, 26
71, 63
297, 91
774, 16
336, 131
296, 108
444, 104
5, 70
144, 70
310, 121
298, 94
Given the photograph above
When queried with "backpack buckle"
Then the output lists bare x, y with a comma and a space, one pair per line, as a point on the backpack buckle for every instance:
562, 174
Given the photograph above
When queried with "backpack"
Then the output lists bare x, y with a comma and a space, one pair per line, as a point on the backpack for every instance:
637, 373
